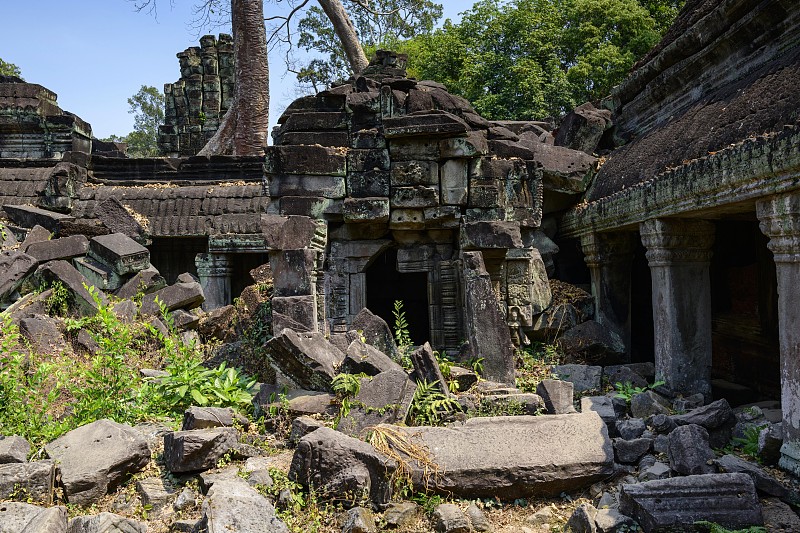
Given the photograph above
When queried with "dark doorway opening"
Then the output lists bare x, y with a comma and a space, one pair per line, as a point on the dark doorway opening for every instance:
642, 334
385, 285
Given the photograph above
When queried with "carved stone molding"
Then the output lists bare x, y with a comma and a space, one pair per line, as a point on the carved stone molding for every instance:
779, 218
670, 241
600, 248
213, 265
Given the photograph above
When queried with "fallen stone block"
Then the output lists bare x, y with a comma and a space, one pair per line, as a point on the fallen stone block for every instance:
98, 274
515, 457
44, 334
623, 374
105, 523
376, 332
14, 449
198, 449
235, 506
80, 299
631, 428
210, 417
553, 322
448, 518
689, 452
779, 517
63, 248
364, 358
144, 282
764, 482
591, 341
123, 254
729, 500
630, 451
582, 519
382, 399
18, 517
648, 403
658, 470
14, 268
308, 359
298, 313
156, 493
28, 216
31, 481
582, 128
35, 234
426, 368
424, 124
342, 468
97, 458
464, 377
302, 426
612, 521
116, 218
177, 296
770, 440
557, 396
583, 377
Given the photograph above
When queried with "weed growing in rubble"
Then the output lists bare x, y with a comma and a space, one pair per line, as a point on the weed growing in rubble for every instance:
712, 527
535, 363
627, 391
430, 407
402, 335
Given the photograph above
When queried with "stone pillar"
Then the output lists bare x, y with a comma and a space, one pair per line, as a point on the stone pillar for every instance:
215, 271
780, 221
609, 257
679, 253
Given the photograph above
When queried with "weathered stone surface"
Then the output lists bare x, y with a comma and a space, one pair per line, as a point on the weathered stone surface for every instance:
63, 248
477, 519
364, 358
26, 518
582, 519
177, 296
603, 406
28, 216
583, 377
630, 451
464, 377
79, 298
155, 492
298, 313
98, 457
105, 523
711, 416
557, 396
308, 359
98, 274
514, 457
235, 506
301, 402
199, 449
401, 514
35, 234
770, 440
28, 480
612, 521
591, 341
564, 170
293, 272
425, 124
689, 452
376, 332
145, 281
13, 449
765, 483
359, 520
487, 332
302, 426
359, 210
116, 218
44, 334
726, 499
342, 468
553, 322
482, 235
14, 268
631, 428
305, 159
448, 518
384, 398
648, 403
623, 374
426, 367
209, 417
288, 233
583, 127
658, 470
123, 254
779, 517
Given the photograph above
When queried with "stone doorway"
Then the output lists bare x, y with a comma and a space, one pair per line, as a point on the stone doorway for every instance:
385, 285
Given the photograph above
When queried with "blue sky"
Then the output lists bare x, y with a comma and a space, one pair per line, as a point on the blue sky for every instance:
94, 54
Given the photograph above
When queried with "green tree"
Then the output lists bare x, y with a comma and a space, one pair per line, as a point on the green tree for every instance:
526, 59
384, 24
147, 108
9, 69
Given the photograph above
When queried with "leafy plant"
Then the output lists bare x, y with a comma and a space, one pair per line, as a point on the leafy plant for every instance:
498, 406
713, 527
401, 334
476, 364
430, 406
749, 442
57, 303
626, 390
534, 363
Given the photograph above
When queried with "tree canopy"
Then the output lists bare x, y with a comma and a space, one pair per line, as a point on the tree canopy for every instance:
526, 59
147, 108
9, 69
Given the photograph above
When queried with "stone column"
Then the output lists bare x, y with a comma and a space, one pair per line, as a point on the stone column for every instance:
679, 253
609, 257
215, 271
780, 221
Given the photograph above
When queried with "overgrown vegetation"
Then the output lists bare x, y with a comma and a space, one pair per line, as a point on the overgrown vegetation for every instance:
534, 363
712, 527
430, 407
402, 337
627, 391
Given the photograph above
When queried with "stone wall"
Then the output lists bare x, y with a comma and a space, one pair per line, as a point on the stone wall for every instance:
195, 104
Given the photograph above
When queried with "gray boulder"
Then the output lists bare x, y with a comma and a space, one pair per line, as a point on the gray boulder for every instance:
105, 523
385, 398
376, 332
365, 358
677, 503
631, 428
197, 449
235, 506
33, 480
612, 521
97, 458
515, 456
210, 417
308, 359
711, 416
689, 452
14, 268
359, 520
177, 296
557, 396
342, 468
770, 440
630, 451
582, 519
14, 449
583, 377
448, 518
764, 482
401, 515
26, 518
648, 403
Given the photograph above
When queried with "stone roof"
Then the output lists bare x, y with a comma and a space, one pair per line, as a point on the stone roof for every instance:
23, 185
728, 75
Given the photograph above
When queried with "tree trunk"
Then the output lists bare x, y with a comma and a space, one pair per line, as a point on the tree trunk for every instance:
346, 32
245, 126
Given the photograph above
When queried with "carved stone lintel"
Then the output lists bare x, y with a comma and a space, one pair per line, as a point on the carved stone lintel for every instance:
602, 248
677, 241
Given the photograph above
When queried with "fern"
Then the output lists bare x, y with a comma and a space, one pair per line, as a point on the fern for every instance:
430, 405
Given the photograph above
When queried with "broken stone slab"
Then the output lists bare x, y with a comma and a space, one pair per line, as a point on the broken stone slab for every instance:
630, 451
465, 377
603, 406
123, 254
779, 517
97, 458
400, 515
770, 440
144, 282
488, 335
197, 449
765, 483
210, 417
359, 520
16, 517
582, 128
44, 334
235, 506
553, 322
15, 267
116, 218
33, 481
631, 428
658, 470
583, 377
35, 234
424, 124
591, 341
63, 248
300, 401
104, 523
729, 500
98, 274
28, 216
339, 467
689, 452
623, 374
448, 518
80, 299
711, 416
485, 234
557, 396
582, 519
155, 493
293, 272
649, 403
366, 359
298, 313
426, 368
612, 521
14, 449
382, 399
308, 359
177, 296
515, 456
376, 332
